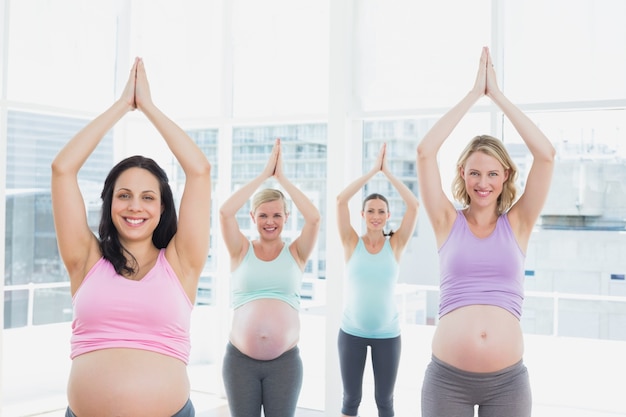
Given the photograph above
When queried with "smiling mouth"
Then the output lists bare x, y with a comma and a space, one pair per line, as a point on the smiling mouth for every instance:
134, 221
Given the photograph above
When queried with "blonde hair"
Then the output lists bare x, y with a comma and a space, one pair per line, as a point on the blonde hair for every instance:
268, 195
494, 148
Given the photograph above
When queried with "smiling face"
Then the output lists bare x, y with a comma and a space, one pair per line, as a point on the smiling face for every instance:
484, 178
375, 213
136, 206
270, 217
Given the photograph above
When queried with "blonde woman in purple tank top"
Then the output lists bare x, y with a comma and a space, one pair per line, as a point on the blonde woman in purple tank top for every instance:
478, 346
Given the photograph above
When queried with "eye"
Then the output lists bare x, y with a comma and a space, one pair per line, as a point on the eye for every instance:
123, 196
148, 197
493, 174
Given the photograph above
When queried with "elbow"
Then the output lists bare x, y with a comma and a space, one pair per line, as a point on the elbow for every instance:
340, 201
549, 155
202, 169
552, 153
224, 214
58, 168
421, 152
315, 220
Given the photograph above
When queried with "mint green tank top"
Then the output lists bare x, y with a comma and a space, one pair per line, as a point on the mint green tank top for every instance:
280, 279
370, 308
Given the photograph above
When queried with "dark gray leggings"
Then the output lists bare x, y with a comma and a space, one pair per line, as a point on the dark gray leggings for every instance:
385, 362
251, 384
451, 392
187, 411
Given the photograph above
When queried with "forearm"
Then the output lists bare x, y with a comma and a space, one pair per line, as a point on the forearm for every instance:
187, 153
407, 195
354, 187
74, 154
538, 144
241, 196
432, 141
306, 208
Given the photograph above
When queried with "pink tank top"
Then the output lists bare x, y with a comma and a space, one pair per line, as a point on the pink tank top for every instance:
486, 270
111, 311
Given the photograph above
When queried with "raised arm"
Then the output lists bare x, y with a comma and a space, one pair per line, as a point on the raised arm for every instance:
404, 232
191, 242
78, 246
233, 238
526, 210
349, 237
305, 242
438, 207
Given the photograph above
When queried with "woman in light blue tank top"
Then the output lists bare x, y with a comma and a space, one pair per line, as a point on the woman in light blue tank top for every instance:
262, 369
477, 348
370, 316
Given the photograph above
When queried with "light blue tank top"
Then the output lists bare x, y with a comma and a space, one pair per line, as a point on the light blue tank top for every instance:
370, 308
280, 279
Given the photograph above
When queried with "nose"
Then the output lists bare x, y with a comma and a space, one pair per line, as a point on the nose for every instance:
134, 204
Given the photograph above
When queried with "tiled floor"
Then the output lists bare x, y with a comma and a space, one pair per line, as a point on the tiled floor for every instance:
223, 412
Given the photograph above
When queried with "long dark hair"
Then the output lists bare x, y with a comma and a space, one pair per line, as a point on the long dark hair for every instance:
110, 246
376, 196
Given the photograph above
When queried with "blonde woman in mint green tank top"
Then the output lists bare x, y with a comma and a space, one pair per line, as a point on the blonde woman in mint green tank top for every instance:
370, 317
262, 367
478, 344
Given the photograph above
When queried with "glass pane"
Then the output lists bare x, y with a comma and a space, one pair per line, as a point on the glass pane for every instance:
574, 51
181, 43
280, 52
410, 53
401, 138
52, 305
588, 188
60, 49
31, 253
15, 308
592, 319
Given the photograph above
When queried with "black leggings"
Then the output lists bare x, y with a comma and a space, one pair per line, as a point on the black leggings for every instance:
273, 384
187, 411
385, 362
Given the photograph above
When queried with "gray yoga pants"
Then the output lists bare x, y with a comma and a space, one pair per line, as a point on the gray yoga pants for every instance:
385, 363
187, 411
451, 392
251, 384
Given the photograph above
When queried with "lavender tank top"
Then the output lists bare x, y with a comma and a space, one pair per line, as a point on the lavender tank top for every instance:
488, 271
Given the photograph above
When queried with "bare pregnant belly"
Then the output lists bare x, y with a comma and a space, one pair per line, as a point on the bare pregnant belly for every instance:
127, 382
264, 329
479, 338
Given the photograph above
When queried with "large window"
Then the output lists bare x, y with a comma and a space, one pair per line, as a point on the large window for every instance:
238, 74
